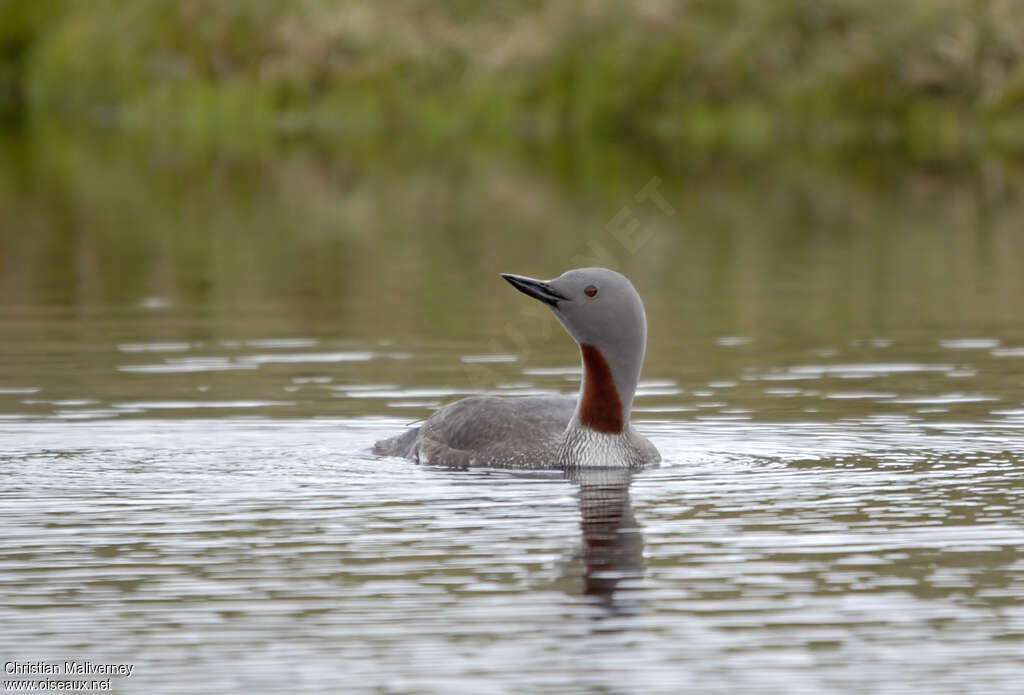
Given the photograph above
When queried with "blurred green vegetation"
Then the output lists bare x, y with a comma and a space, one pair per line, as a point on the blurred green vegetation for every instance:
926, 78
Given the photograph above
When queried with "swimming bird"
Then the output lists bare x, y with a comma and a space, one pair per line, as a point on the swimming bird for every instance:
601, 310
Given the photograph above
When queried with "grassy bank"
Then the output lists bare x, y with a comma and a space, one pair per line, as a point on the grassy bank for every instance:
927, 77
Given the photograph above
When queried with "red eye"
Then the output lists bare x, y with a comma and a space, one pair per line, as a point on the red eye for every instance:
590, 291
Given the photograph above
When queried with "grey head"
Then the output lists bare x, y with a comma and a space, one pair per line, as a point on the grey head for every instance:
601, 310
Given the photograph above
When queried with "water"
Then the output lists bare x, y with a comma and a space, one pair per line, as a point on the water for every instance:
198, 353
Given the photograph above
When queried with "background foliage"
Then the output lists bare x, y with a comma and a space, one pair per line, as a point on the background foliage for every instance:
931, 78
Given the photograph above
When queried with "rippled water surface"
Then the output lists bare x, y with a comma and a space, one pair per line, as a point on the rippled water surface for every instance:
186, 483
818, 524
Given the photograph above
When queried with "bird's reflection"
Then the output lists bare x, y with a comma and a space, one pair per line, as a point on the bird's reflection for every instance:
612, 542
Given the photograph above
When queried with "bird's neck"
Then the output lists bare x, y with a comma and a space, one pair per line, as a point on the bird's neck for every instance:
605, 397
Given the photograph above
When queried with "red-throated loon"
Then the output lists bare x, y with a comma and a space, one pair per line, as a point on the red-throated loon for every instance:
603, 313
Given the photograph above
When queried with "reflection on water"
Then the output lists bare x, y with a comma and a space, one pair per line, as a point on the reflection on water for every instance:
612, 542
198, 351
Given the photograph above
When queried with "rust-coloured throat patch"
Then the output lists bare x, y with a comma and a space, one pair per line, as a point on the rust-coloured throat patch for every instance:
600, 406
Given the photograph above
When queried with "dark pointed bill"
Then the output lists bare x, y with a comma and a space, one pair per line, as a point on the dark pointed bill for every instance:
538, 289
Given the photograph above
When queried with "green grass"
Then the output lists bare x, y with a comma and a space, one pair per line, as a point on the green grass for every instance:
929, 78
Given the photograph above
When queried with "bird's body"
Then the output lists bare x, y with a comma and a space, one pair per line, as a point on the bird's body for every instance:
553, 431
527, 432
520, 432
